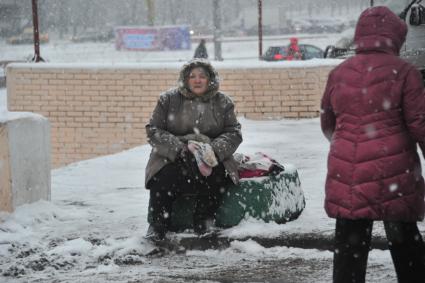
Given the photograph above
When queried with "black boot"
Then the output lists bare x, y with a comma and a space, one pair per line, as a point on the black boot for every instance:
204, 215
156, 232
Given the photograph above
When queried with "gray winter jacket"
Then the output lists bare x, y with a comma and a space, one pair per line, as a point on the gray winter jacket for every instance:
180, 113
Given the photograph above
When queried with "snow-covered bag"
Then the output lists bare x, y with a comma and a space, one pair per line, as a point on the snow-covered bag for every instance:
267, 191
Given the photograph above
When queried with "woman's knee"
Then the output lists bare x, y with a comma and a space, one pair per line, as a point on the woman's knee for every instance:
165, 179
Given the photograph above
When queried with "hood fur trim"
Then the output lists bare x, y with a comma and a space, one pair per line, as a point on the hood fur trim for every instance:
214, 80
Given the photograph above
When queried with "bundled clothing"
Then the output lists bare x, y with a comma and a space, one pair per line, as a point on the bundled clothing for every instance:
373, 113
257, 165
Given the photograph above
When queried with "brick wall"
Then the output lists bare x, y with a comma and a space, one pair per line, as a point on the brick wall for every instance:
103, 110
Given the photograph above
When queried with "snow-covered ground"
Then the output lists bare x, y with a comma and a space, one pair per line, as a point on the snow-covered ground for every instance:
92, 229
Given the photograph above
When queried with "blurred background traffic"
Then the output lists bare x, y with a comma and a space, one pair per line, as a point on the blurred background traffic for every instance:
96, 20
134, 31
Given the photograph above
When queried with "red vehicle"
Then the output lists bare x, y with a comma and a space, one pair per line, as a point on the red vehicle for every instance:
280, 53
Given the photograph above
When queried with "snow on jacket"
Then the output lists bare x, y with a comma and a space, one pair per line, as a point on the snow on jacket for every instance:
180, 113
373, 113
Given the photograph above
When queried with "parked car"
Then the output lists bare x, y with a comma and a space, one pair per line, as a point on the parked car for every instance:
413, 49
27, 36
280, 53
94, 36
344, 47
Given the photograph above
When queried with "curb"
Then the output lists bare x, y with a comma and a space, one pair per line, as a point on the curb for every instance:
303, 241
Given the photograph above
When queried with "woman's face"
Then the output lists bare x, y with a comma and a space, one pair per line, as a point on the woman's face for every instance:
198, 81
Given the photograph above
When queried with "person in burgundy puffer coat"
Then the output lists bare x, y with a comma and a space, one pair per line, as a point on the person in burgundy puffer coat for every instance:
373, 113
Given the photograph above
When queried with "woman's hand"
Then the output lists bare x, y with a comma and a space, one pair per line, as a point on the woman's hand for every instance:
195, 137
184, 154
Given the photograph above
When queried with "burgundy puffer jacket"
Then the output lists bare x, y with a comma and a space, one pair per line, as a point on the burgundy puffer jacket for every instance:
373, 112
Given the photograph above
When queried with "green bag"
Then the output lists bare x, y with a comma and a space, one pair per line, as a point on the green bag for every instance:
277, 198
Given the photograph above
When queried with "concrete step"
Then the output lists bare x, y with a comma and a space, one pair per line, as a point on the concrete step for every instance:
320, 241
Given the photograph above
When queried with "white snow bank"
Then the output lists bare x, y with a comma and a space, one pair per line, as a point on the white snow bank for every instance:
228, 64
7, 115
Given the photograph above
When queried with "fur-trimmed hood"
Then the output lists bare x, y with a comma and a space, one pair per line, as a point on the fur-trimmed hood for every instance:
213, 84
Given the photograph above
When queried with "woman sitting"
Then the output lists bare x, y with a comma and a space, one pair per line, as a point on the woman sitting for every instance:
193, 132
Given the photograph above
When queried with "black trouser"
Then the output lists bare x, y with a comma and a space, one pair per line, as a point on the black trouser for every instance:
352, 245
183, 177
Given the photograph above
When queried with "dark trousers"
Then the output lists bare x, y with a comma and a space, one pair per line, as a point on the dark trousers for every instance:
352, 245
179, 178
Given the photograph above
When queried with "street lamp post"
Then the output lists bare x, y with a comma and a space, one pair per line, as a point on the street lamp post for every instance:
260, 29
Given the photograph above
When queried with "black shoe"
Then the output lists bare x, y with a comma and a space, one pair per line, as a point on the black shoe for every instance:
156, 233
203, 226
